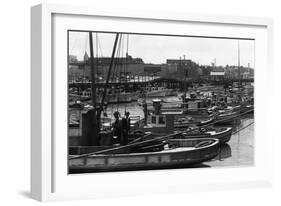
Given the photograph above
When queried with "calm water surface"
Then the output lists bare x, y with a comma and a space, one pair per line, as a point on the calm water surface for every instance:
240, 149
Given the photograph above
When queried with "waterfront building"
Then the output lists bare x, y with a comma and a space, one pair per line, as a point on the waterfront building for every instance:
217, 74
185, 68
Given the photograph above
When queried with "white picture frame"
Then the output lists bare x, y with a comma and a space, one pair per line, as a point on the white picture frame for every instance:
49, 178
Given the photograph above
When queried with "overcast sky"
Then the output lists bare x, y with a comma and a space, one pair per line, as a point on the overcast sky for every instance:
156, 49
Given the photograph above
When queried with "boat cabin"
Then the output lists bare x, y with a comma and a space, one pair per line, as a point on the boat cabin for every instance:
194, 104
160, 122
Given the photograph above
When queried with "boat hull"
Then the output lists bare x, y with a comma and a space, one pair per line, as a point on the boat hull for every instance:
161, 93
226, 119
223, 136
194, 123
151, 160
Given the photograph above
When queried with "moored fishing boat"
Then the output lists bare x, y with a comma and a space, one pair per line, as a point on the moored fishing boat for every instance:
223, 134
227, 117
175, 153
159, 92
161, 118
247, 108
186, 121
205, 122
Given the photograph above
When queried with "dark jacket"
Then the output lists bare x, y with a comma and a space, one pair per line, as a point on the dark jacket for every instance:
126, 124
117, 128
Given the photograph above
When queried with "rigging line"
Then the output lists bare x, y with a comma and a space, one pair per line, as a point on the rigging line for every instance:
86, 44
116, 65
114, 68
122, 73
84, 69
97, 45
119, 66
121, 61
101, 54
97, 70
122, 69
97, 61
85, 49
100, 48
109, 73
118, 69
243, 128
97, 55
126, 71
114, 76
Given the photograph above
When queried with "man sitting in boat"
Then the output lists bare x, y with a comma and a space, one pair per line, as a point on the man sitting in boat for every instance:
126, 125
117, 126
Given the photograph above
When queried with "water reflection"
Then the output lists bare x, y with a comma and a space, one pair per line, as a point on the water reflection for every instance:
225, 152
240, 149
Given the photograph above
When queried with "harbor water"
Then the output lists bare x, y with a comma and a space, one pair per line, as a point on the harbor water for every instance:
239, 151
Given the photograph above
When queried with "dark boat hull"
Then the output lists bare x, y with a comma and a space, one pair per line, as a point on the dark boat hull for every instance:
153, 160
226, 119
223, 136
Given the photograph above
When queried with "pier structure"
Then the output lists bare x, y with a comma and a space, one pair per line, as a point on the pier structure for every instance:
167, 82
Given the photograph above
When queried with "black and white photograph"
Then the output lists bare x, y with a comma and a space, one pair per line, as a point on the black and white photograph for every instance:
139, 101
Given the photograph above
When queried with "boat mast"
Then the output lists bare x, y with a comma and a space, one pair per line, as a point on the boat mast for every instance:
186, 75
107, 81
95, 123
93, 72
109, 70
97, 110
92, 118
126, 71
239, 72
